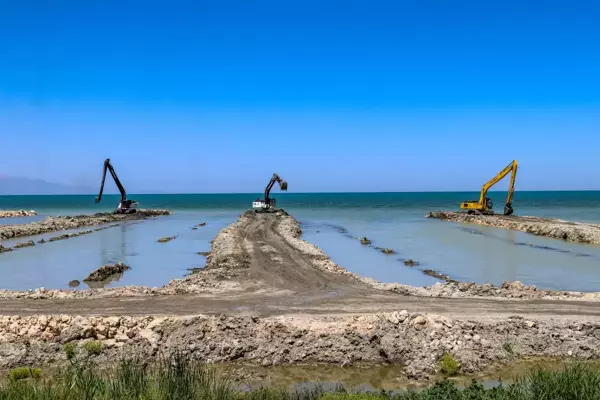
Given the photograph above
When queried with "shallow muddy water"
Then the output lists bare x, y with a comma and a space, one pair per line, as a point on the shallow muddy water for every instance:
373, 377
390, 220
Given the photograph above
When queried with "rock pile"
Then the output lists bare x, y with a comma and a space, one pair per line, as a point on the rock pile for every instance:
18, 213
552, 228
106, 271
413, 340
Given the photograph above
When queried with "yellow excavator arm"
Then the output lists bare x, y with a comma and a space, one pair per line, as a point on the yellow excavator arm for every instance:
484, 205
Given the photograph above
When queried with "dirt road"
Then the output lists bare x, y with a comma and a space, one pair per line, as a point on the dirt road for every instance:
325, 304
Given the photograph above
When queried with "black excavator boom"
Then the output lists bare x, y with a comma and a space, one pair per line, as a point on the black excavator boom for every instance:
268, 203
125, 206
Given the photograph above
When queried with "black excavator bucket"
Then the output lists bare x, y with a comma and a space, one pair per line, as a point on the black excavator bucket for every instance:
508, 210
283, 185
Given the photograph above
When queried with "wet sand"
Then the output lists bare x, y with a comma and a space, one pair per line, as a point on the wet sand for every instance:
268, 297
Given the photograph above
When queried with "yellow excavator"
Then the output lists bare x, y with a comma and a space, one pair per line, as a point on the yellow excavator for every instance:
484, 205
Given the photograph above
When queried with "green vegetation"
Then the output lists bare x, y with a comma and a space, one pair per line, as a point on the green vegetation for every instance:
17, 374
448, 364
177, 377
93, 347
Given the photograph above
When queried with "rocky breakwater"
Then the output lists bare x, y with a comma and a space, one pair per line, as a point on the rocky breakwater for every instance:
17, 213
54, 224
413, 340
551, 228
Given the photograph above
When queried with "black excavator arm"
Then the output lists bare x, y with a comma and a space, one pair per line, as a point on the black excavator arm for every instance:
282, 184
125, 206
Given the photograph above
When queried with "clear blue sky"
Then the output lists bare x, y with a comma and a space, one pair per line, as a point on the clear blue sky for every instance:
215, 96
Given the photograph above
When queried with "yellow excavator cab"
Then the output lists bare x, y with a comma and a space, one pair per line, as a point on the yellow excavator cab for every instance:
484, 205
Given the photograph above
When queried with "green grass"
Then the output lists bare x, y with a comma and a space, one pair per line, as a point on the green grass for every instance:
177, 377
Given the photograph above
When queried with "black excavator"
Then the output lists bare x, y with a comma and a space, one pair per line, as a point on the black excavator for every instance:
125, 206
269, 204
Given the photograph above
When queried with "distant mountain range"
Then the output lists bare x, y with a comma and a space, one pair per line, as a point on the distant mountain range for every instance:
25, 186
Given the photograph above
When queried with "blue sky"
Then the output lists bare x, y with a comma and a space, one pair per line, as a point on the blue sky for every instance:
215, 96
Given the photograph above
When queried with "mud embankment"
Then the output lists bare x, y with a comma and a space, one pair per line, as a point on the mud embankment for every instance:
55, 224
551, 228
17, 213
412, 340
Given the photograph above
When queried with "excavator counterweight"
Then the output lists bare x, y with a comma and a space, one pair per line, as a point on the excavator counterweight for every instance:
484, 205
269, 204
125, 206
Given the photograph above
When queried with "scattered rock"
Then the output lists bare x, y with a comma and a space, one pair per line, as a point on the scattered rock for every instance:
74, 283
388, 251
167, 239
436, 274
24, 244
5, 249
411, 263
105, 272
365, 241
203, 253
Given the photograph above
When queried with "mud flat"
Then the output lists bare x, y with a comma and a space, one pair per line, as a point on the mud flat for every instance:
54, 224
267, 297
17, 213
551, 228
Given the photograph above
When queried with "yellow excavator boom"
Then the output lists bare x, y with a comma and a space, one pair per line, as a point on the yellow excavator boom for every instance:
484, 205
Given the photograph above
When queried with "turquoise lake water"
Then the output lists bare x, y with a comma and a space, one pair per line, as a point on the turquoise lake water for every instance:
393, 220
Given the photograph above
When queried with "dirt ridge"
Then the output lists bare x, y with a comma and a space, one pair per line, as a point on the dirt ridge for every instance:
550, 228
61, 223
17, 213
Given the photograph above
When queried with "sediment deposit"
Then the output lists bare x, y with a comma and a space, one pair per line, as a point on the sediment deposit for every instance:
106, 271
551, 228
54, 224
266, 296
17, 213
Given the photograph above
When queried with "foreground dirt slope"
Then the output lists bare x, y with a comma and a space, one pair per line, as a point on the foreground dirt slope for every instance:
552, 228
268, 297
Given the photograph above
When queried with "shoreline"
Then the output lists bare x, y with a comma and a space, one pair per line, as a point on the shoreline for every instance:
265, 297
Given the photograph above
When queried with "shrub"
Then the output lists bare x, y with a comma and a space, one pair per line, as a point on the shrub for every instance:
93, 347
448, 364
20, 373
